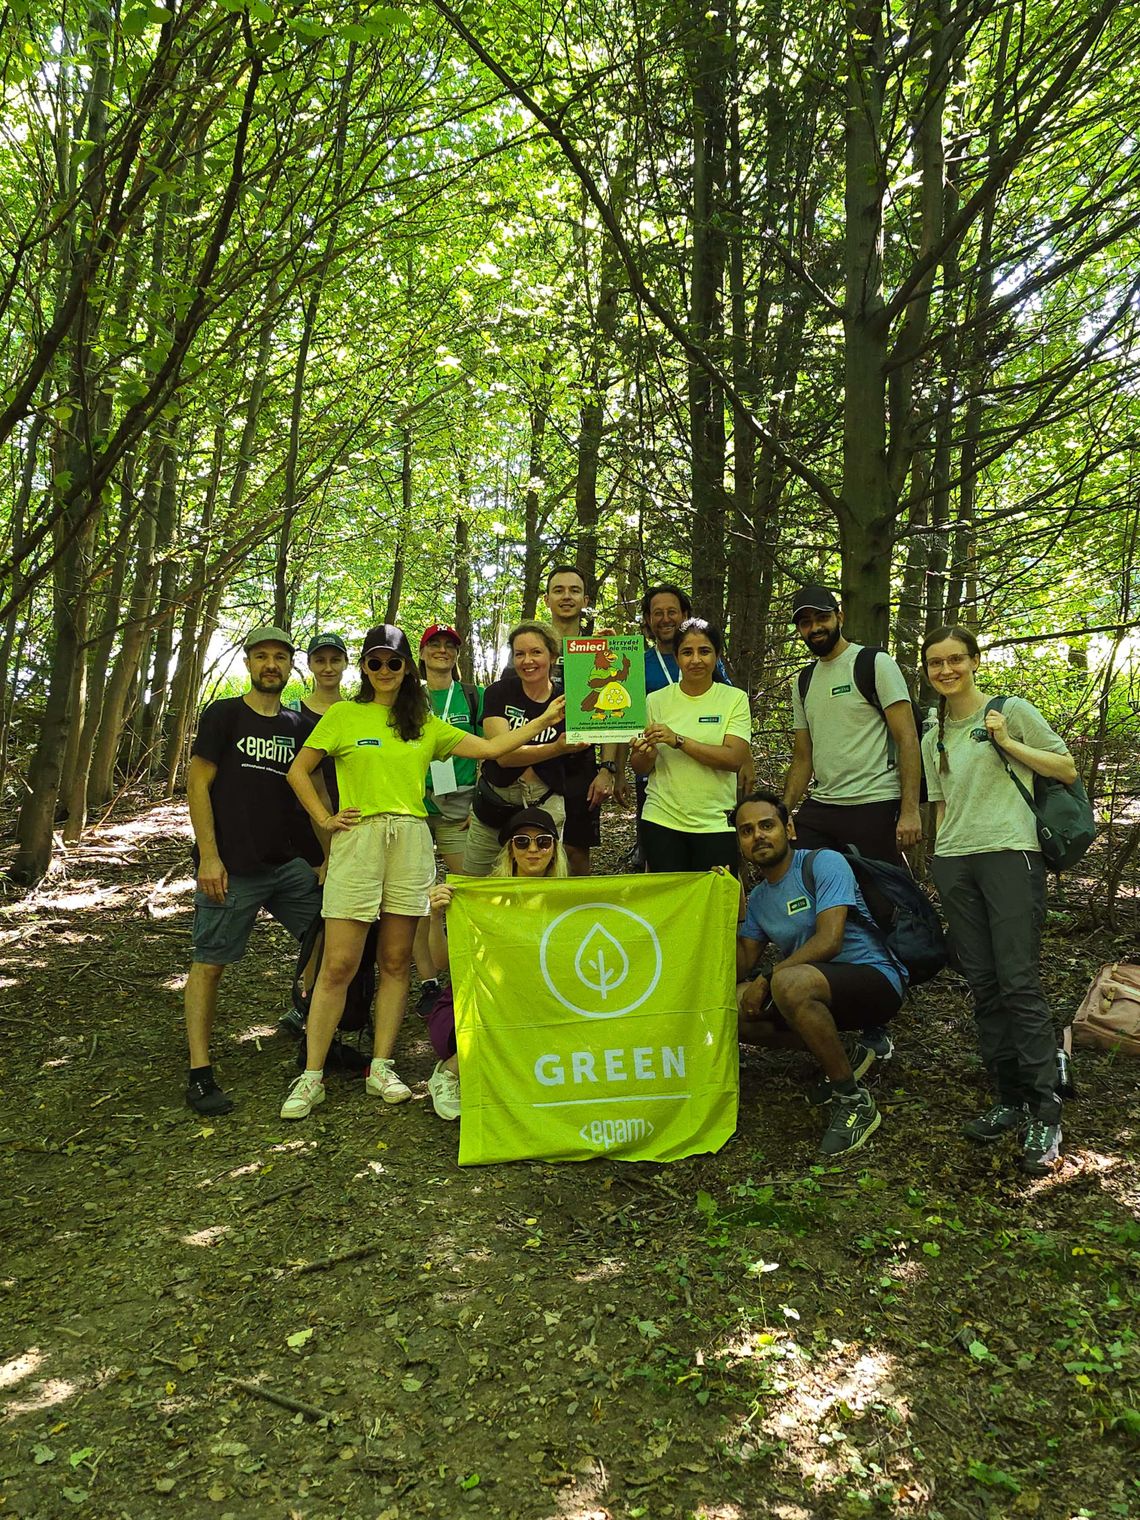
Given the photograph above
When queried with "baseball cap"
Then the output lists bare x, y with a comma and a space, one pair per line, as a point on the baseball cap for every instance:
327, 641
529, 818
439, 630
269, 634
813, 599
386, 636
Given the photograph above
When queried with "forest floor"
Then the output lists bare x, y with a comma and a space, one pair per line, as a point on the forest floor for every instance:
919, 1332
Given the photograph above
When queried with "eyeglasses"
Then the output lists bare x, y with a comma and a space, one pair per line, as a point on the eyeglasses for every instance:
535, 841
953, 662
376, 662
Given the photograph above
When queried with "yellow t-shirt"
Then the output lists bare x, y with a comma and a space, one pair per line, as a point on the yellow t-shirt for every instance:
376, 771
684, 794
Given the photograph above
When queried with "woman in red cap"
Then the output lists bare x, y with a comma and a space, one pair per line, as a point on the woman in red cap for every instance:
381, 863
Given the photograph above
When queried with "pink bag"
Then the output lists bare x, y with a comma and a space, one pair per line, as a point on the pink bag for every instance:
1109, 1017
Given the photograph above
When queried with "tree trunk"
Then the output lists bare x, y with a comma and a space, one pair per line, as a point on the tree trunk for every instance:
532, 538
399, 553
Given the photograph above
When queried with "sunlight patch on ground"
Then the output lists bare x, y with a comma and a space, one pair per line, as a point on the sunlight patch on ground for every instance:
20, 1367
294, 1145
602, 1272
156, 823
207, 1237
175, 983
45, 1396
257, 1033
368, 1170
78, 896
253, 1167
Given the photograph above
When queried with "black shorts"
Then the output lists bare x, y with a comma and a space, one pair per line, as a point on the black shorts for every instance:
861, 997
673, 850
869, 826
583, 826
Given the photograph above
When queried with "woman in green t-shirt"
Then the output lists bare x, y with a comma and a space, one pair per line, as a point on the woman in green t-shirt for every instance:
991, 880
381, 862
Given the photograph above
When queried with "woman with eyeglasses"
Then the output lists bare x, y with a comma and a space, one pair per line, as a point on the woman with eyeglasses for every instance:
381, 863
991, 880
532, 775
530, 848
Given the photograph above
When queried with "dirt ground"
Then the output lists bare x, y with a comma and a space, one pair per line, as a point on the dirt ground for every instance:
243, 1318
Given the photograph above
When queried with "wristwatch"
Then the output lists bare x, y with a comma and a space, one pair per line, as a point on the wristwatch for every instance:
678, 741
608, 765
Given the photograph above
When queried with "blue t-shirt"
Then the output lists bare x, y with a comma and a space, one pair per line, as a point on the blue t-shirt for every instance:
662, 670
783, 913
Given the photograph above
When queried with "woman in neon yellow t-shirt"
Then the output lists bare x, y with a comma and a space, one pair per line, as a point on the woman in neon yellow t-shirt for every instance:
695, 741
381, 862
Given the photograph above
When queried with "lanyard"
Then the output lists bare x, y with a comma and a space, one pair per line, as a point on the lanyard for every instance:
447, 704
670, 679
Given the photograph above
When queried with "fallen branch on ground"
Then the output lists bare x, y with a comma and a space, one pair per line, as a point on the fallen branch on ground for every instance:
284, 1400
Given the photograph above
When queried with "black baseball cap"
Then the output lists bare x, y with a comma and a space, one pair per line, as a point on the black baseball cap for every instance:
386, 636
813, 599
529, 818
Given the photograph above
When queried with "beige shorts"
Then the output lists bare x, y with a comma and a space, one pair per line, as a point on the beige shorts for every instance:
386, 864
450, 834
483, 843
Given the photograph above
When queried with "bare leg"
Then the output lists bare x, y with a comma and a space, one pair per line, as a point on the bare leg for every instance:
425, 966
201, 1001
344, 941
578, 859
394, 958
803, 996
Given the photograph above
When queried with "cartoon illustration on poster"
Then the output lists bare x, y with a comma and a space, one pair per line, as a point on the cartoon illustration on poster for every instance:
605, 688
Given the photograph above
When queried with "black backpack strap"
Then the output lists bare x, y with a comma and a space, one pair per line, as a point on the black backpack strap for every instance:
472, 695
803, 681
807, 871
865, 676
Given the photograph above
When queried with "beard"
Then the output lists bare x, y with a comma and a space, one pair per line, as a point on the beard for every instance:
822, 644
268, 683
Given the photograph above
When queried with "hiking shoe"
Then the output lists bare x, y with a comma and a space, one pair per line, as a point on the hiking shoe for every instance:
443, 1089
1041, 1149
862, 1058
1000, 1120
879, 1041
382, 1082
291, 1024
854, 1118
429, 991
305, 1092
206, 1097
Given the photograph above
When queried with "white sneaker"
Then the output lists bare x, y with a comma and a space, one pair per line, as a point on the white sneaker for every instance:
443, 1088
382, 1081
305, 1092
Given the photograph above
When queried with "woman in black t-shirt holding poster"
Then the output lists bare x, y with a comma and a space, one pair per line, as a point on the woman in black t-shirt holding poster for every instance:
533, 775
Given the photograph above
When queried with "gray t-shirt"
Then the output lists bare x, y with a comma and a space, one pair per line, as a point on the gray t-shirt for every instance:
852, 753
984, 810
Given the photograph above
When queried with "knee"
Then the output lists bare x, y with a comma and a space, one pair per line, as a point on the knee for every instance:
205, 971
394, 962
791, 988
337, 971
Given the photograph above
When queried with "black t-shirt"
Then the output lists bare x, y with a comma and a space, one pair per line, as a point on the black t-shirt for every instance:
327, 766
505, 698
258, 822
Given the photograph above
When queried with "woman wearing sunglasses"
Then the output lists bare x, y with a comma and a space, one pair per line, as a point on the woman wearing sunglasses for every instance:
991, 880
381, 863
530, 848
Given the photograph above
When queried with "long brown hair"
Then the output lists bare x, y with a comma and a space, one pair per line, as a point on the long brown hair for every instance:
961, 636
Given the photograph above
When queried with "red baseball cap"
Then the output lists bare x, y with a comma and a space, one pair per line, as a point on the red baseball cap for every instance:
436, 630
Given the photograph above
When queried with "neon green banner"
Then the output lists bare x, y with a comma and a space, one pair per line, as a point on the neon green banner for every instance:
595, 1016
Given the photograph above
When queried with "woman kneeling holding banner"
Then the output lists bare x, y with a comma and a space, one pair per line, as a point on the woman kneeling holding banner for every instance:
381, 862
530, 848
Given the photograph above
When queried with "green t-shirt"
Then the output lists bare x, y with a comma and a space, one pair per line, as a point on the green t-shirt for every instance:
684, 794
376, 770
450, 705
852, 756
984, 810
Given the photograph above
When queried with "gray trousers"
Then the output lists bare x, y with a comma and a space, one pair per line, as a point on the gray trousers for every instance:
995, 907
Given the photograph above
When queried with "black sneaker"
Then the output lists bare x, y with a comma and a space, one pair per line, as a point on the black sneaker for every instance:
854, 1119
1041, 1149
878, 1040
428, 994
1002, 1119
291, 1024
862, 1058
206, 1097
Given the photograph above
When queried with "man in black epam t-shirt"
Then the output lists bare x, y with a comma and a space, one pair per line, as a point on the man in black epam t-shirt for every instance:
253, 844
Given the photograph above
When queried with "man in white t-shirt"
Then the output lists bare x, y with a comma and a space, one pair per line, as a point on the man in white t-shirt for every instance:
861, 746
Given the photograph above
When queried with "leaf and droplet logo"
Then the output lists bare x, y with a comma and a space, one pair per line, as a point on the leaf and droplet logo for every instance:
599, 960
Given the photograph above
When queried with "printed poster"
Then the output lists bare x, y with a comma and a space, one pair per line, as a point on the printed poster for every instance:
595, 1016
604, 681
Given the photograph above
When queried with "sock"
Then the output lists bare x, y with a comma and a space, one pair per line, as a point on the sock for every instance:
430, 984
314, 1071
201, 1073
848, 1087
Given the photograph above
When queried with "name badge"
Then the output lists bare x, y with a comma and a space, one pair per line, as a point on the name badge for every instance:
709, 718
841, 691
443, 777
798, 905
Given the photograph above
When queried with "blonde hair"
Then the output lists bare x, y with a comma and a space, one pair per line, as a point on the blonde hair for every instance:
505, 865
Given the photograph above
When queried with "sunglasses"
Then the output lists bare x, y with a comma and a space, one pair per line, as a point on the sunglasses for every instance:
538, 841
376, 662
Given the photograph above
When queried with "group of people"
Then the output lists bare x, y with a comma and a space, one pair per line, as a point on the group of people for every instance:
337, 806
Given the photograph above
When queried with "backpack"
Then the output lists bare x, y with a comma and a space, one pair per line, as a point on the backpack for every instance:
865, 685
357, 1015
1109, 1017
1065, 822
901, 914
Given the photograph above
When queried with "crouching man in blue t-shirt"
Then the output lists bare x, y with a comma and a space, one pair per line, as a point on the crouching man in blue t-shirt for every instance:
834, 971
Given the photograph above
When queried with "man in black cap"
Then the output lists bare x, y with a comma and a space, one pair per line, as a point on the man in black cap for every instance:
253, 845
855, 732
